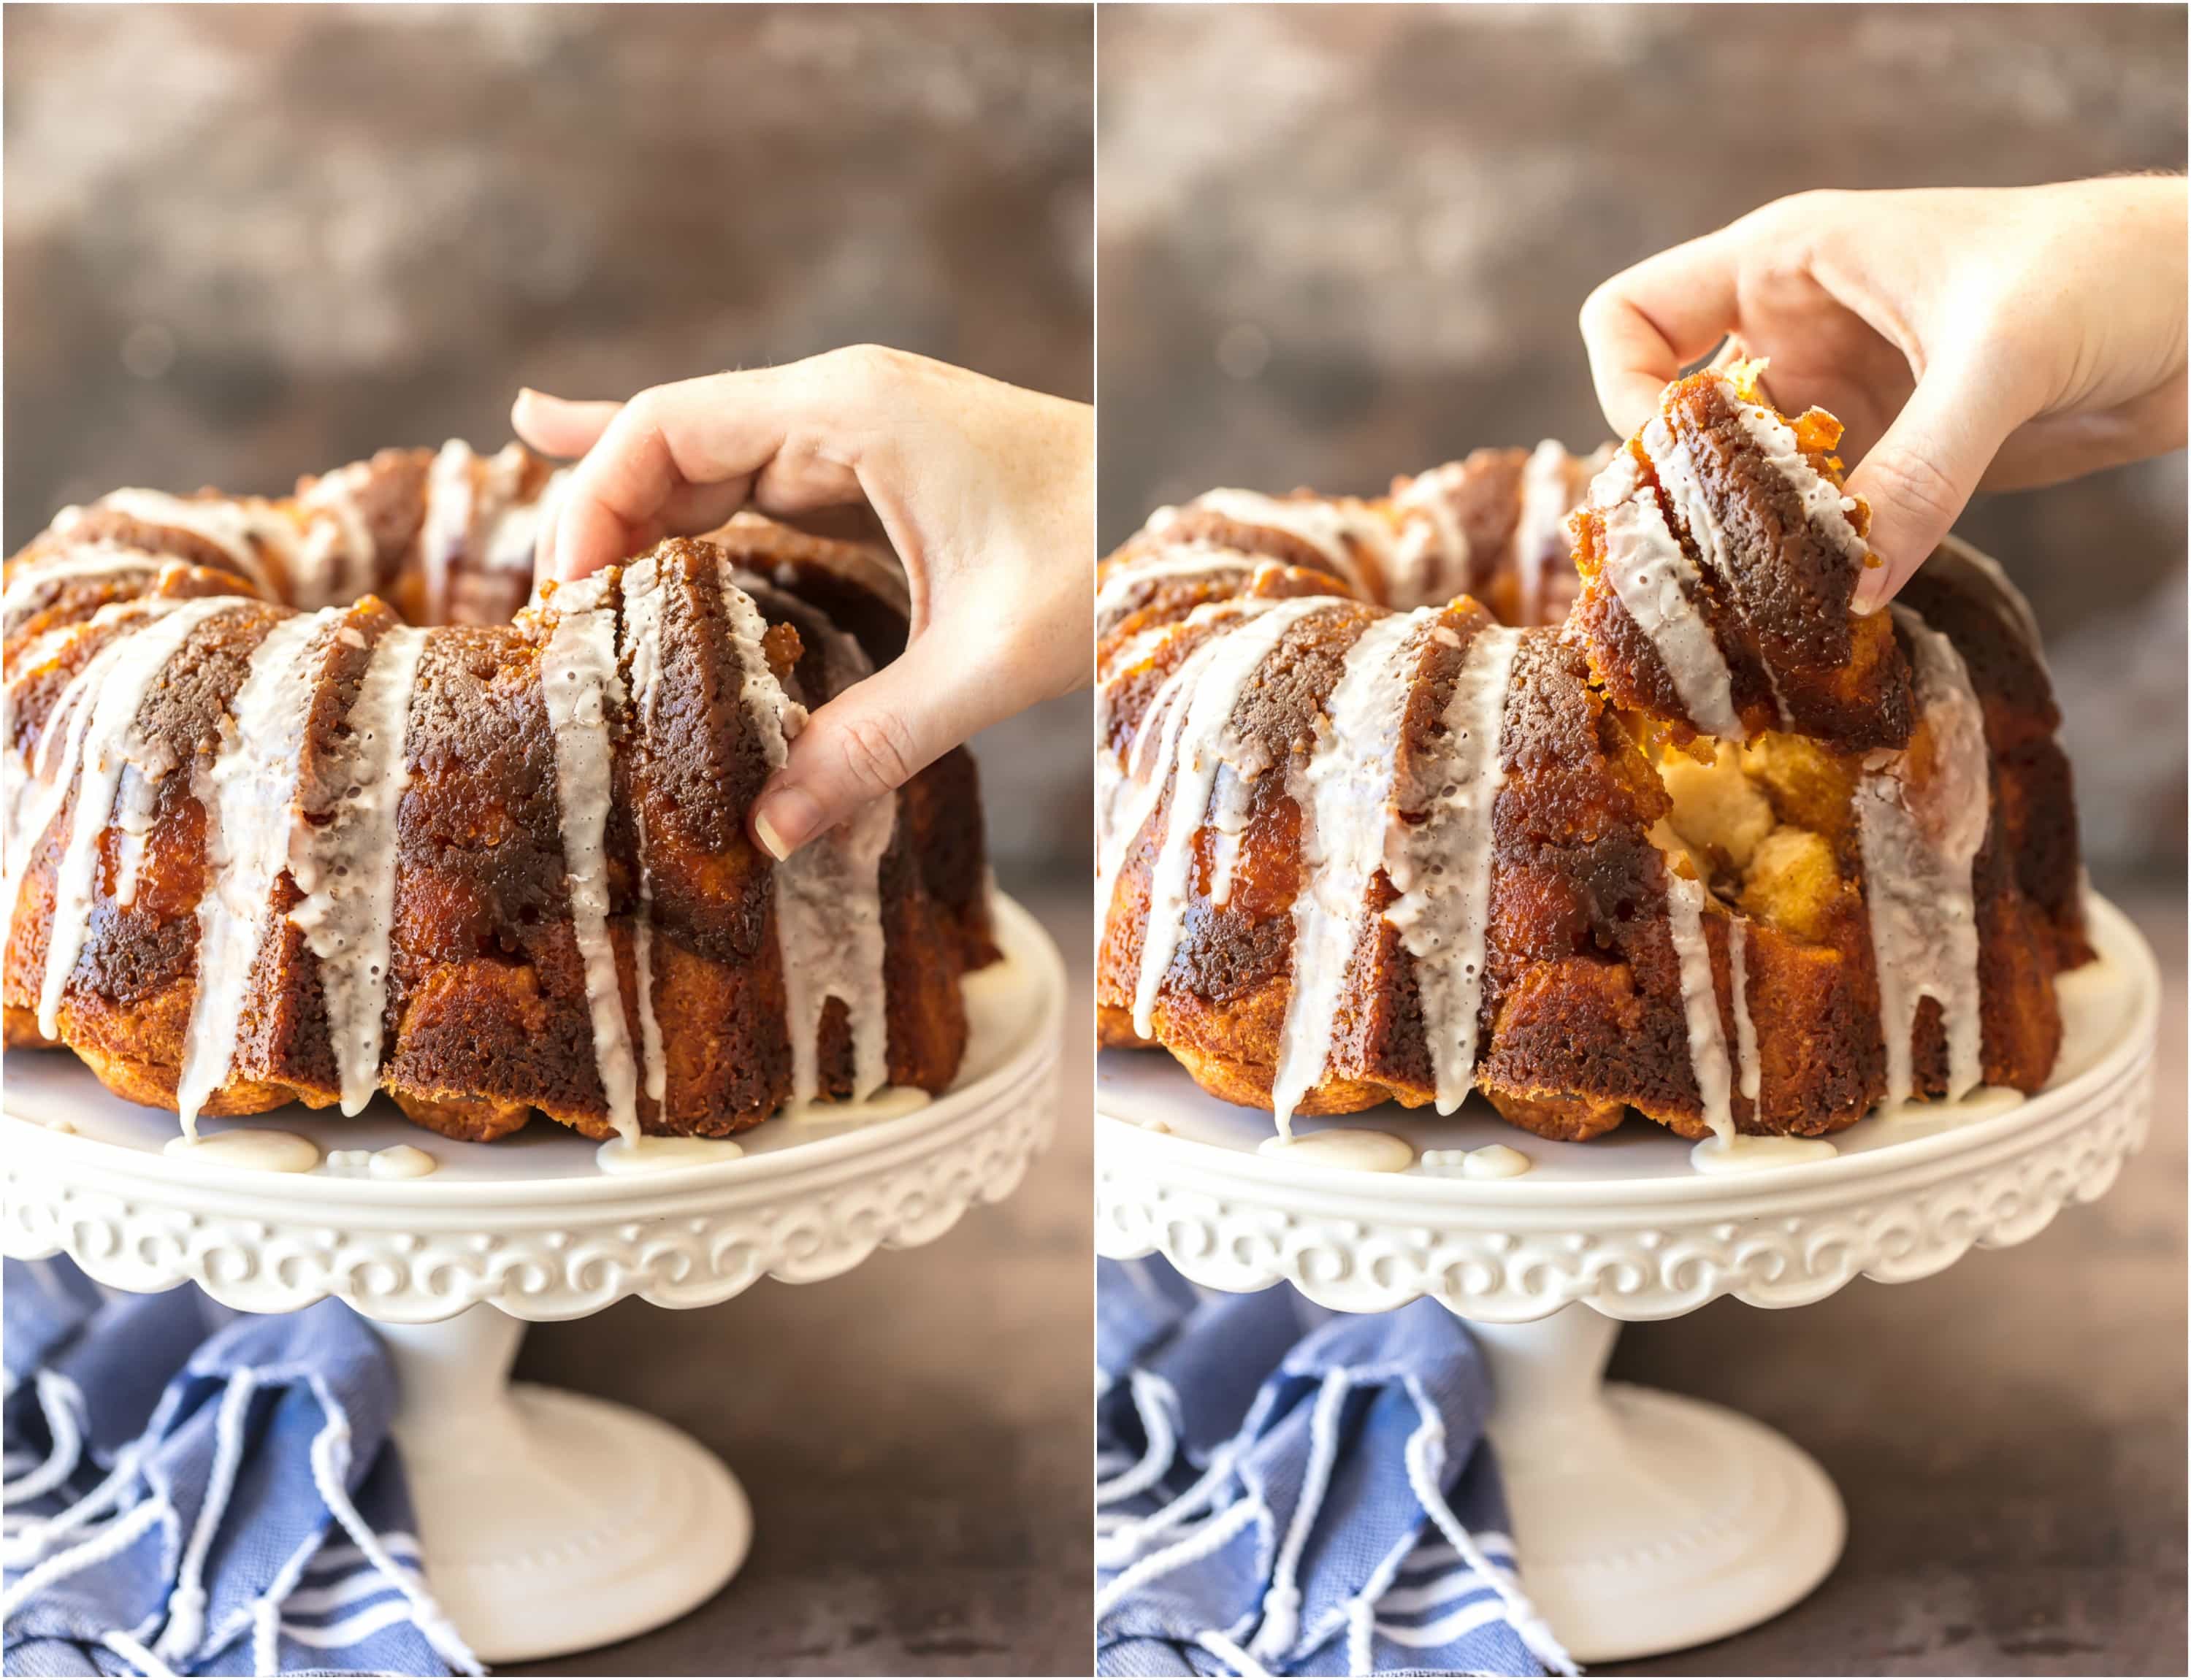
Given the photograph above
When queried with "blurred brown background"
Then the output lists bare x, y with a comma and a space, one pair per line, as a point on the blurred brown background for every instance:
246, 243
1338, 243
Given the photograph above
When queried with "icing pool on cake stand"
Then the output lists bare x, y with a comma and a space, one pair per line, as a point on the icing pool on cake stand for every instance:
551, 1522
1645, 1521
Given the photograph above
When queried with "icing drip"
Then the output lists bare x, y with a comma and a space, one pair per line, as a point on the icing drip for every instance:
447, 527
250, 1147
250, 815
1431, 558
1199, 737
34, 795
241, 527
1685, 902
345, 867
1540, 532
1677, 469
102, 739
828, 898
1440, 865
338, 559
1755, 1155
642, 655
513, 530
1334, 528
1345, 1148
1919, 841
1745, 1030
621, 1155
1653, 577
1128, 785
135, 802
579, 681
1169, 564
1231, 803
1825, 503
1342, 843
83, 561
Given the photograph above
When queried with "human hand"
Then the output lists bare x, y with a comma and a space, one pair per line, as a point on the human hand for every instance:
987, 492
1970, 339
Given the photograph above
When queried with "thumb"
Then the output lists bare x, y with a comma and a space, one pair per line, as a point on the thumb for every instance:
875, 736
1921, 474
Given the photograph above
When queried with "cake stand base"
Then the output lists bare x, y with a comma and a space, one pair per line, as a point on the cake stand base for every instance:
551, 1522
1651, 1523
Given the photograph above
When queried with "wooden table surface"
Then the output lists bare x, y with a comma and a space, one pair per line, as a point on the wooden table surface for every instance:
2009, 1435
915, 1435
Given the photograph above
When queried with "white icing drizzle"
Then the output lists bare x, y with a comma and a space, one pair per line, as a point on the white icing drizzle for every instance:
1651, 576
642, 655
828, 898
513, 527
1825, 503
337, 561
447, 530
1918, 843
1128, 785
1548, 491
1685, 902
1431, 558
1344, 822
1232, 802
1745, 1030
1442, 866
1333, 526
249, 797
34, 795
135, 802
1198, 739
345, 868
241, 527
579, 681
102, 739
1172, 563
81, 560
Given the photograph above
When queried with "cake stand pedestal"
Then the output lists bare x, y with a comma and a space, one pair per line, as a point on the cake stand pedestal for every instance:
1646, 1523
550, 1522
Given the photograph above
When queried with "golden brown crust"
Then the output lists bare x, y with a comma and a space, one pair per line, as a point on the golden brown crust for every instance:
487, 1014
1582, 1015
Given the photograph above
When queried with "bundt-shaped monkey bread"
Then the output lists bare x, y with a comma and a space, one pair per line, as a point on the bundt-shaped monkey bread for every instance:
1717, 848
293, 812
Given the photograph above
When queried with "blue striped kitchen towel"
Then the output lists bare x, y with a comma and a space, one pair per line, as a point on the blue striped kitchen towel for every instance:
1286, 1491
189, 1491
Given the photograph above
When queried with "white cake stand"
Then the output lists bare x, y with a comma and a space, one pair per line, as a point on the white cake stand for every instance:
1646, 1523
550, 1522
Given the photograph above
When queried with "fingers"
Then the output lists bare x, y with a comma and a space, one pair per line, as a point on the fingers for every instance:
1643, 326
557, 426
684, 456
1919, 477
872, 738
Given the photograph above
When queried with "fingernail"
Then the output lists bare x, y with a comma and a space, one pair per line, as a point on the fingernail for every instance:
1870, 589
785, 820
